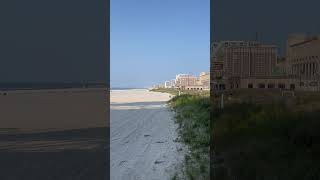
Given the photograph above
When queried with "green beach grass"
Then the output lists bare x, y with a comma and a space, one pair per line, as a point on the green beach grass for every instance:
275, 138
176, 92
192, 116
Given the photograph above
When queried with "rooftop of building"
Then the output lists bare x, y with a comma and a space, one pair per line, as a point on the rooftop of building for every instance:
307, 40
237, 44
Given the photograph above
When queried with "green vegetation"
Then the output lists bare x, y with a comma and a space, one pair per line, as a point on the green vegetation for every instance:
176, 91
192, 116
260, 135
165, 90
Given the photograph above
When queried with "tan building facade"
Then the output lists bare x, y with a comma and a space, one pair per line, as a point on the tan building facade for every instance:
183, 80
204, 79
268, 83
236, 60
249, 59
254, 65
194, 88
304, 57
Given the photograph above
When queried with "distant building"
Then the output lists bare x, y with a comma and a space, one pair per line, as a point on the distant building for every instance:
167, 84
162, 85
183, 80
248, 59
194, 88
303, 54
214, 49
237, 60
274, 82
281, 67
204, 80
173, 83
241, 64
170, 84
216, 67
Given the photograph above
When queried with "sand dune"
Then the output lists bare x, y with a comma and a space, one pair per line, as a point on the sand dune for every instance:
142, 136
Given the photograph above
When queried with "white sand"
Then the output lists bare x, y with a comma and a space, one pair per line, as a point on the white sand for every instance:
142, 136
53, 109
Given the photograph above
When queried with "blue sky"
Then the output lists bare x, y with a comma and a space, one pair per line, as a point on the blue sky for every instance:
274, 19
153, 40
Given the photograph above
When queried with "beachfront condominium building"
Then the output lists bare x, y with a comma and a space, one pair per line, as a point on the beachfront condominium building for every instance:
183, 80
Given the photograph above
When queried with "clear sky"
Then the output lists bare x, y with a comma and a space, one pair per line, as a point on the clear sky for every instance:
153, 40
274, 19
53, 41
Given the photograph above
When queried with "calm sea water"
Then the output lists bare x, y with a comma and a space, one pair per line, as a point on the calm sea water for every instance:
125, 88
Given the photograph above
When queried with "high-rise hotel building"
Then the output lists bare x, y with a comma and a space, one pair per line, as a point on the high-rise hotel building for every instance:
236, 60
255, 65
247, 59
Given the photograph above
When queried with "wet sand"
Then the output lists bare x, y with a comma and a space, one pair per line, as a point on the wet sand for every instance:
142, 136
54, 134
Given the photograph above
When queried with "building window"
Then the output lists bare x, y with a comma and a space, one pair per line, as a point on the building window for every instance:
281, 86
222, 86
301, 83
292, 86
271, 86
261, 85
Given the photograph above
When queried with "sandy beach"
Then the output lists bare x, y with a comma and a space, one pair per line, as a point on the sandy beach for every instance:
142, 136
54, 134
53, 109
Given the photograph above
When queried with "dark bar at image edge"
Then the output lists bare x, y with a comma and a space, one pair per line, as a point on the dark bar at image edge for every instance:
54, 90
265, 89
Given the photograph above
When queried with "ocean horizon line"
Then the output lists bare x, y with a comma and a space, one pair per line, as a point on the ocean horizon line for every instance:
127, 88
46, 85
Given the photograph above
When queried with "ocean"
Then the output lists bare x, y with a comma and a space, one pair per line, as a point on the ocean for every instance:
126, 88
46, 85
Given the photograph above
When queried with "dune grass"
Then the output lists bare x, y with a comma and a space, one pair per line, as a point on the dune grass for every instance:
192, 116
271, 140
176, 91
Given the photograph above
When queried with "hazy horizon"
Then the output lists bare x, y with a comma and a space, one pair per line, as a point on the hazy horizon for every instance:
156, 83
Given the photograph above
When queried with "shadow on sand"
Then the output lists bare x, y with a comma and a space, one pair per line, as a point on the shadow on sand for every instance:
70, 154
